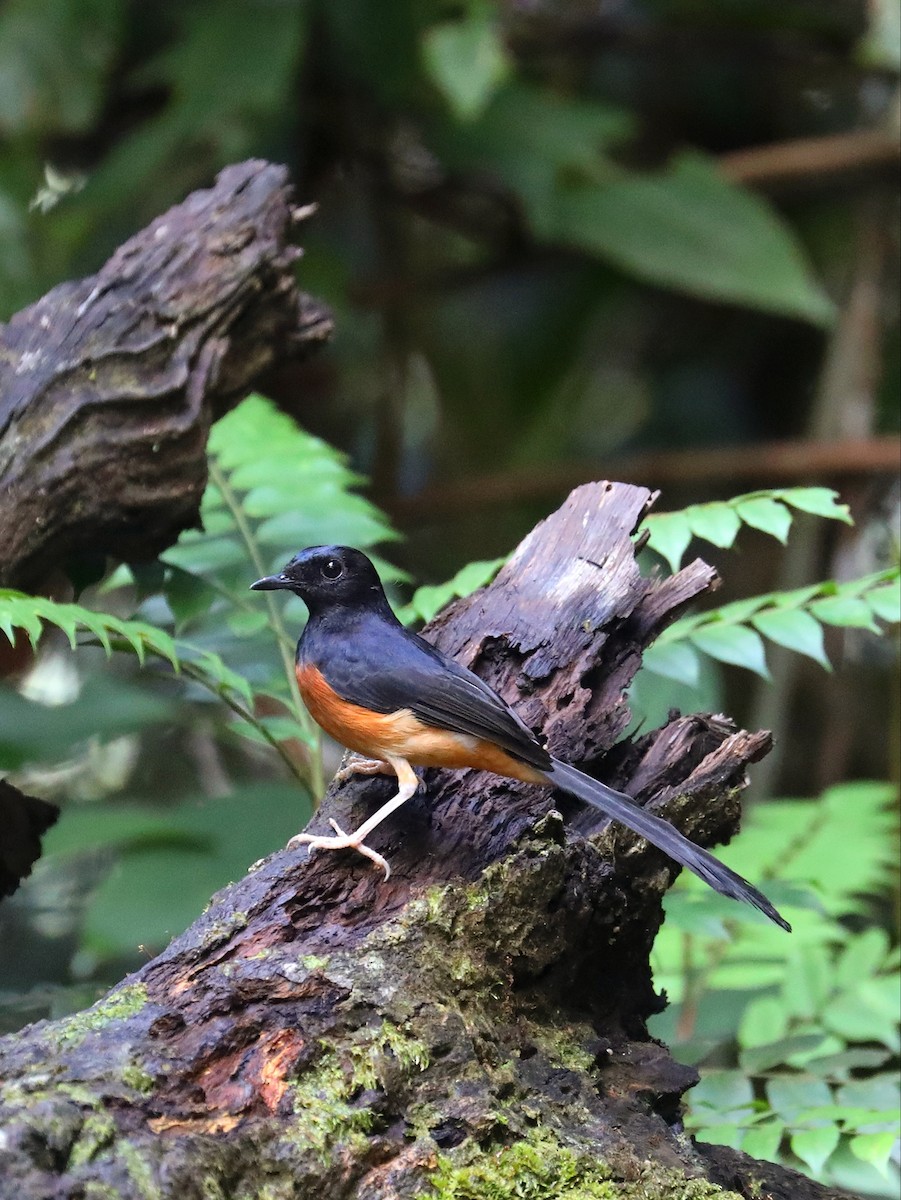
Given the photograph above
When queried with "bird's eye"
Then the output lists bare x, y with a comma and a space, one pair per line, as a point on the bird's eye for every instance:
331, 568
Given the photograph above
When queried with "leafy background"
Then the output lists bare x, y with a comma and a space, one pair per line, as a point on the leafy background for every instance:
557, 248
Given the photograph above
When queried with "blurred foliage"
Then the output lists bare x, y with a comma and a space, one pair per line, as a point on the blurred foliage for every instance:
798, 1037
718, 522
141, 849
272, 490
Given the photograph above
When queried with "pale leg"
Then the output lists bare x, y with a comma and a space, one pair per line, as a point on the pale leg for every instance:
407, 785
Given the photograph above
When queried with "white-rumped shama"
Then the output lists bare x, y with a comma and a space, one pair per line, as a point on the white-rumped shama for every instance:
389, 695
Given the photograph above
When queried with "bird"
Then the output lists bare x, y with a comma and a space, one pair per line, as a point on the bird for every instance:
398, 702
23, 819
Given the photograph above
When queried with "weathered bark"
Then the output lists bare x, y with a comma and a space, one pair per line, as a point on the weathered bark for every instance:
474, 1026
108, 385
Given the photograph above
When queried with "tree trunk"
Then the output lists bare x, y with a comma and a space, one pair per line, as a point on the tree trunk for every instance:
472, 1027
108, 385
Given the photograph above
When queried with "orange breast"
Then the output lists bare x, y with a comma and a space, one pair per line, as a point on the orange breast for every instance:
402, 735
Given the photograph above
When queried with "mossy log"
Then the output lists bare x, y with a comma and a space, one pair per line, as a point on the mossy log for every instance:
108, 385
473, 1027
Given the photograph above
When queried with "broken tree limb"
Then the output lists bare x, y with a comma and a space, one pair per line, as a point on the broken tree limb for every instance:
108, 385
473, 1026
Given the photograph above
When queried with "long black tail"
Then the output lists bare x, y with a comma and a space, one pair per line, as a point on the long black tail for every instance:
663, 835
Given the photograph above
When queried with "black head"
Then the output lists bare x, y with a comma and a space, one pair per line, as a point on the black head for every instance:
327, 575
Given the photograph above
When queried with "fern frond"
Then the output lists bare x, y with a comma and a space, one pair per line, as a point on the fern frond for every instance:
734, 632
719, 522
32, 615
429, 599
818, 1010
273, 489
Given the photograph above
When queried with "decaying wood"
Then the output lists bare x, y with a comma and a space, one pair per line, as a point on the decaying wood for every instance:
474, 1026
108, 385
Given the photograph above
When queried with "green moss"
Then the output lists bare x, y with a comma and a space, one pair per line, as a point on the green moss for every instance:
273, 1189
138, 1079
97, 1132
212, 1189
422, 1117
542, 1168
124, 1002
562, 1046
140, 1171
435, 903
409, 1051
322, 1104
220, 930
324, 1096
93, 1189
314, 962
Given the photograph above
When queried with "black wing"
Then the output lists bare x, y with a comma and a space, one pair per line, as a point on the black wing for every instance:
387, 668
23, 820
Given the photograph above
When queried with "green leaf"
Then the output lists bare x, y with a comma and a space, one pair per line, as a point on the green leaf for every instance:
188, 596
54, 60
786, 1050
861, 1018
763, 1140
767, 515
848, 611
856, 1059
689, 228
528, 139
822, 502
763, 1021
874, 1148
732, 644
791, 1095
885, 602
724, 1091
864, 955
677, 661
794, 629
282, 728
428, 600
813, 1146
467, 60
210, 670
807, 982
216, 841
726, 1134
31, 732
716, 523
877, 1092
669, 536
246, 624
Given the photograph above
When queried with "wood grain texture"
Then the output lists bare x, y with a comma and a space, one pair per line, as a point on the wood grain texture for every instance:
108, 385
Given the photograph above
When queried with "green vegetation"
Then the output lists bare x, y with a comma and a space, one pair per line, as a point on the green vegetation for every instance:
801, 1033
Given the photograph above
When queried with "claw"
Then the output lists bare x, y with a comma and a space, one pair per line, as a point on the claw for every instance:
361, 766
343, 841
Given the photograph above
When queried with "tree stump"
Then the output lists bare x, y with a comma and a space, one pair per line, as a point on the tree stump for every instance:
472, 1027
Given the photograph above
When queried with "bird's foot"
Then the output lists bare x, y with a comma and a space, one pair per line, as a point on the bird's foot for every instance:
357, 765
342, 841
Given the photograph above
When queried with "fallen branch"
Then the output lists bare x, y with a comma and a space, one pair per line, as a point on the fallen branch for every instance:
108, 385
